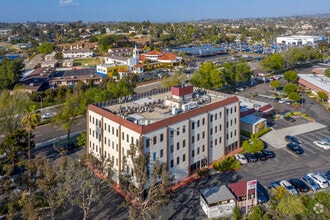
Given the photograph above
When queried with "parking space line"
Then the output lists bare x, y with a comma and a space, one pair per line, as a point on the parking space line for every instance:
308, 149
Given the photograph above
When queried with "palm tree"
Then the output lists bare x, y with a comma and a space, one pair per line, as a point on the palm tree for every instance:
30, 121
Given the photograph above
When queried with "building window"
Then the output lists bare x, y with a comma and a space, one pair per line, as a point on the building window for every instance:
211, 118
171, 148
113, 130
178, 131
183, 158
178, 146
127, 138
155, 140
147, 142
183, 129
183, 143
192, 125
90, 118
109, 128
227, 137
215, 129
220, 114
203, 148
161, 153
197, 150
197, 137
117, 132
154, 156
220, 139
215, 116
105, 126
197, 123
161, 137
203, 121
220, 127
215, 142
122, 135
203, 134
211, 131
227, 124
235, 133
172, 163
231, 110
193, 153
235, 120
105, 140
171, 133
235, 109
193, 139
231, 122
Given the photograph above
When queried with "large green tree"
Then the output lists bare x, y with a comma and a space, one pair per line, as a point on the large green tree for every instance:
208, 76
236, 72
291, 76
275, 84
273, 62
10, 73
67, 115
46, 48
289, 87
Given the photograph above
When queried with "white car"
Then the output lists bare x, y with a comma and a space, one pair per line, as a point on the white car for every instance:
241, 158
282, 101
322, 144
319, 179
46, 116
288, 186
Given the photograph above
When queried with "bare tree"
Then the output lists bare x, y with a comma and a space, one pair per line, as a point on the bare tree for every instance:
148, 191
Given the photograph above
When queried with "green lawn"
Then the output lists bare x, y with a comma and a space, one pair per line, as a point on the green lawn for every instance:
86, 62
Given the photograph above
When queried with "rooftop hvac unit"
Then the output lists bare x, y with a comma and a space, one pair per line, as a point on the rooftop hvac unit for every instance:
186, 107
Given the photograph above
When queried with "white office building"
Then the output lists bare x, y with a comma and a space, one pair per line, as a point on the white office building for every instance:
183, 128
299, 40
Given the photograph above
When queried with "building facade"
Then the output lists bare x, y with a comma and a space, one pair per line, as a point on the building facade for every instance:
186, 132
299, 40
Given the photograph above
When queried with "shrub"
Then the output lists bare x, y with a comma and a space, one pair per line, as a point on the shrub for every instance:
203, 171
226, 164
262, 132
253, 145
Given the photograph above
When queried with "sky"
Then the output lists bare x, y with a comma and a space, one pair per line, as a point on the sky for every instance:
154, 10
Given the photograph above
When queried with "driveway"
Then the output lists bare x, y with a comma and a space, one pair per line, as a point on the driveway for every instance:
275, 138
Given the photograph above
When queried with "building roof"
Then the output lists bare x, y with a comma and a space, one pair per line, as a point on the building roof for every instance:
78, 51
320, 81
252, 119
217, 194
155, 113
154, 53
239, 189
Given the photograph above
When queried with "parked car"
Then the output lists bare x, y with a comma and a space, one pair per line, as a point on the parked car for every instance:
310, 183
269, 153
281, 101
276, 99
321, 181
274, 185
262, 194
260, 156
295, 148
46, 116
325, 175
288, 186
240, 89
250, 157
299, 185
241, 158
321, 144
290, 119
292, 139
288, 102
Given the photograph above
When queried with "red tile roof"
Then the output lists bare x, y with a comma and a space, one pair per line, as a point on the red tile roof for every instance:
154, 52
239, 189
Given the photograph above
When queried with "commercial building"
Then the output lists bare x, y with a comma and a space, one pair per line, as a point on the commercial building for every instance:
183, 127
217, 202
111, 69
315, 83
77, 53
299, 40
